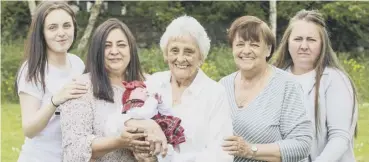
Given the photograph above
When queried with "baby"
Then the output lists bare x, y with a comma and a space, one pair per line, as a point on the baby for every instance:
139, 104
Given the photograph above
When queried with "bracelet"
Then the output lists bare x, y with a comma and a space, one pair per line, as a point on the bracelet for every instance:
53, 102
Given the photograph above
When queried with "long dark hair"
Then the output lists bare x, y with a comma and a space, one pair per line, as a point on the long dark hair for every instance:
35, 48
95, 64
327, 57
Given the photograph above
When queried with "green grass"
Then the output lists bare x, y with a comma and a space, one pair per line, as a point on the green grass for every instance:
12, 136
362, 140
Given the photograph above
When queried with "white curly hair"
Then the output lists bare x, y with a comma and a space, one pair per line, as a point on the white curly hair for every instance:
186, 25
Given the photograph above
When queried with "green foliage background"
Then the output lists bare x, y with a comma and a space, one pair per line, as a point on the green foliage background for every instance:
347, 23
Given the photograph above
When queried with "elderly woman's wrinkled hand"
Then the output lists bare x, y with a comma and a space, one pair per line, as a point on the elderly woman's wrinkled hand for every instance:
158, 142
144, 157
155, 137
237, 146
134, 138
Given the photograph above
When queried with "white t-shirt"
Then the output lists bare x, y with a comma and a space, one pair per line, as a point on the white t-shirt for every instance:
46, 145
305, 80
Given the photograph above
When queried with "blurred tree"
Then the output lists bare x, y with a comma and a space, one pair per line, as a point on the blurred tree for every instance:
273, 15
32, 6
158, 14
15, 20
347, 21
94, 13
348, 24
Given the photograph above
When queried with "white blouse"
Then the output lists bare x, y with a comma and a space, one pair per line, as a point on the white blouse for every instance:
205, 115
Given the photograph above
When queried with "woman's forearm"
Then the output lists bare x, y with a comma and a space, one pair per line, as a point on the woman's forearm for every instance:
145, 124
38, 121
266, 152
104, 145
334, 149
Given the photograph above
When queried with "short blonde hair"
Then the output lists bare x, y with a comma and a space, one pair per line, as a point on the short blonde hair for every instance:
186, 25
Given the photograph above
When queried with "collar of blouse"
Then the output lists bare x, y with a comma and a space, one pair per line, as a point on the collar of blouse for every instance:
195, 87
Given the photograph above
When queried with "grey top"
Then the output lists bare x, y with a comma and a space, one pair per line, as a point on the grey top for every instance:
338, 115
276, 115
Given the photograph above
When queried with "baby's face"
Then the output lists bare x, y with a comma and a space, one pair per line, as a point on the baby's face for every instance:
139, 93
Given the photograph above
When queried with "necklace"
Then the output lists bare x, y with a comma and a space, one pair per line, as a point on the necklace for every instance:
245, 97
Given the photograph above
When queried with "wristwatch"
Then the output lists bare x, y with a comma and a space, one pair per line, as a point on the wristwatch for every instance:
254, 150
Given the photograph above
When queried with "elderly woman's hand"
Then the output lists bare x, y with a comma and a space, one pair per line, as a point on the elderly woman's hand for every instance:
158, 142
134, 138
237, 146
156, 137
144, 157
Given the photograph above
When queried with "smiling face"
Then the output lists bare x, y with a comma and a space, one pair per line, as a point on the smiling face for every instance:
117, 52
58, 31
183, 57
304, 44
249, 54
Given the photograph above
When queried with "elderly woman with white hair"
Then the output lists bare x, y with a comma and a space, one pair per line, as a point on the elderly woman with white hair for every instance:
196, 99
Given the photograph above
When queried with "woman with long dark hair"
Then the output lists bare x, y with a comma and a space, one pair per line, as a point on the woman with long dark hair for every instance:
112, 58
44, 80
